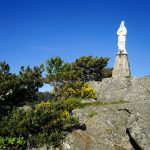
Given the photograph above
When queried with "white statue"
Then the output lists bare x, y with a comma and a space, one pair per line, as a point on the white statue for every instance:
122, 32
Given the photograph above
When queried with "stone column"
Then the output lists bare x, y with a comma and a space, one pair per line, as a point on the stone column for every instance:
121, 66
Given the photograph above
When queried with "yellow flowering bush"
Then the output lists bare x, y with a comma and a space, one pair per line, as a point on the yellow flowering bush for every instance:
65, 114
70, 91
87, 92
44, 104
74, 89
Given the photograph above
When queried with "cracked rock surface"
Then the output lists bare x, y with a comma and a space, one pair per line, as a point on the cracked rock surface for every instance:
107, 128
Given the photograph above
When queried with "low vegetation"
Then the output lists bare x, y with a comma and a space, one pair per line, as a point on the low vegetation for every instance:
32, 119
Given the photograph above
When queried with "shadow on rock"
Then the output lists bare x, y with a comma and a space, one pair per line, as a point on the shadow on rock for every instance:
132, 141
76, 127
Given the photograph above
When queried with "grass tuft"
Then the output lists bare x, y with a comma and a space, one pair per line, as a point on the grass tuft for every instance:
100, 103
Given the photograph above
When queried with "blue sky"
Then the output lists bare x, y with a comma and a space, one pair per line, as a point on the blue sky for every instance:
32, 31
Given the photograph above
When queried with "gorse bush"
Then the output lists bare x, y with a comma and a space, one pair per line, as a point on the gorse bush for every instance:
87, 92
74, 89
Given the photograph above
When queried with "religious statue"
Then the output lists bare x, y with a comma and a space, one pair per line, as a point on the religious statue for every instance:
122, 32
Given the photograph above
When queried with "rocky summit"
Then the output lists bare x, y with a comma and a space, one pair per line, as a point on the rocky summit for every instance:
121, 123
115, 126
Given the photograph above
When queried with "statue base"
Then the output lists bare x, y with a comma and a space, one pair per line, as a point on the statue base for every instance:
121, 66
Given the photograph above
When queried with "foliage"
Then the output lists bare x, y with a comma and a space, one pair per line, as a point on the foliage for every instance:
90, 68
85, 68
68, 89
69, 79
4, 68
44, 96
87, 92
44, 124
16, 90
107, 72
54, 67
72, 103
31, 79
10, 143
74, 89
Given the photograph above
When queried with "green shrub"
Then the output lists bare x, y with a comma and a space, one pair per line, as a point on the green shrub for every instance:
9, 143
72, 103
43, 124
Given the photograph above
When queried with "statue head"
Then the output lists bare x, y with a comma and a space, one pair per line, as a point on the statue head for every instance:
122, 23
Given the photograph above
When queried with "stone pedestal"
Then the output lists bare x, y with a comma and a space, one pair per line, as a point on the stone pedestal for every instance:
121, 66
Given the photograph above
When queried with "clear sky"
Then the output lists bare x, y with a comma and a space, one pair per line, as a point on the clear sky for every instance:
32, 31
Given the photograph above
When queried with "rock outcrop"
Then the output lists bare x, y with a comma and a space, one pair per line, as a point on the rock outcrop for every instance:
115, 126
108, 128
129, 89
